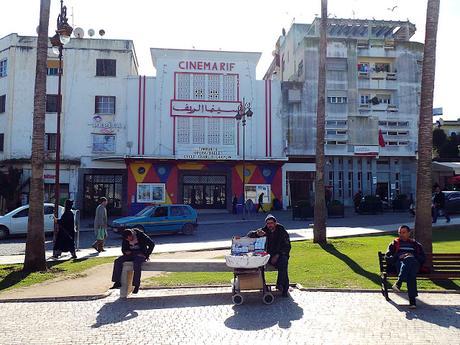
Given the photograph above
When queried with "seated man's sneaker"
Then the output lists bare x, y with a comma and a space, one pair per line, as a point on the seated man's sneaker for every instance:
412, 303
396, 287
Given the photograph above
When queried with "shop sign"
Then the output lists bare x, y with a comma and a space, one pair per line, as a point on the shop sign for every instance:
366, 150
207, 153
105, 127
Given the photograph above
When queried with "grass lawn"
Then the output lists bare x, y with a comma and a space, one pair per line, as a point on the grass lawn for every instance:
342, 263
11, 276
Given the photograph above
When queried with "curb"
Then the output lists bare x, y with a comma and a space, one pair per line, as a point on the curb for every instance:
301, 288
57, 299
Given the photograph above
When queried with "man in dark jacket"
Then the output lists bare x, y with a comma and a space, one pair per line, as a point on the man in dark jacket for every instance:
136, 247
439, 202
406, 256
278, 246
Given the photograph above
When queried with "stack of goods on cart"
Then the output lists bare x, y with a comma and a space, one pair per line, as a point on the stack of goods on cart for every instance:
247, 252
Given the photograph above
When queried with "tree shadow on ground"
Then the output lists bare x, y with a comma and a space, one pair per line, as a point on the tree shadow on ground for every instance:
17, 275
442, 315
125, 309
447, 284
253, 315
373, 277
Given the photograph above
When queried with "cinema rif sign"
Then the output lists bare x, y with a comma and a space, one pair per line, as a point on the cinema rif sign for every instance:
207, 66
204, 108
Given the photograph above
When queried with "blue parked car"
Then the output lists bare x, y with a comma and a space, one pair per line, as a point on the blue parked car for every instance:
161, 219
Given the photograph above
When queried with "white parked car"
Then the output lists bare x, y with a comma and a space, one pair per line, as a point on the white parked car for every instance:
15, 222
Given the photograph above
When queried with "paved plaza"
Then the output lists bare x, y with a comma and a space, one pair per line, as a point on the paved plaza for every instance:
206, 316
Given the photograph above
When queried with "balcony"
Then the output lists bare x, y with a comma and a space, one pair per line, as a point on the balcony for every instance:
392, 108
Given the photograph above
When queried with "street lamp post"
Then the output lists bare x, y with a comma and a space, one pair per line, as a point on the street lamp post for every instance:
62, 37
244, 110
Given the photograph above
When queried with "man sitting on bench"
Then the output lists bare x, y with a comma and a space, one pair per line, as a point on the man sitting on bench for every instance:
136, 247
406, 255
278, 246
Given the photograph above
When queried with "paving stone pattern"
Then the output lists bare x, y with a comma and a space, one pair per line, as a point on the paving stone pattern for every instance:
207, 316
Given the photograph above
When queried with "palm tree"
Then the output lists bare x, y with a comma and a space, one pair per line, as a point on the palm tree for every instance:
423, 229
319, 228
35, 244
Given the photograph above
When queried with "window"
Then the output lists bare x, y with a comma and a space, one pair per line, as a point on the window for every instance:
360, 180
183, 86
382, 67
198, 130
50, 188
2, 103
340, 183
183, 130
49, 209
21, 214
52, 67
228, 137
384, 99
337, 99
3, 68
350, 184
198, 86
363, 67
52, 103
300, 68
177, 211
214, 131
365, 99
52, 71
213, 87
161, 212
50, 142
229, 86
103, 143
2, 140
106, 68
105, 104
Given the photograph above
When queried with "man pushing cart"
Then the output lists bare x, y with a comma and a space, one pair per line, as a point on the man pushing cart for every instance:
270, 244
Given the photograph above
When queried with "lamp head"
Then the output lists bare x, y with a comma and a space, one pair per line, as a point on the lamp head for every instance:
249, 113
238, 116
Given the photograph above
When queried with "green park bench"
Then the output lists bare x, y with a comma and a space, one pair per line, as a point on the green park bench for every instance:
445, 266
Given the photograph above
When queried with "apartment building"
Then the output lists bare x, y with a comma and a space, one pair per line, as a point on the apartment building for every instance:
372, 107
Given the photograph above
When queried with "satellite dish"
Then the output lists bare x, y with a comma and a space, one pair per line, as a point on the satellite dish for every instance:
101, 32
79, 33
37, 29
91, 32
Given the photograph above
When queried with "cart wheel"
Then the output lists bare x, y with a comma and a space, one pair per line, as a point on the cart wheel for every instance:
237, 299
268, 298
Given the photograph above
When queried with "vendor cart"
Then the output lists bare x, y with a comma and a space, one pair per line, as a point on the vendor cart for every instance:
248, 259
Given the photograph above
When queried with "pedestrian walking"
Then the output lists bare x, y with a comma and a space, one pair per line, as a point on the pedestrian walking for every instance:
357, 200
278, 246
65, 237
100, 225
234, 204
406, 256
136, 247
439, 205
260, 205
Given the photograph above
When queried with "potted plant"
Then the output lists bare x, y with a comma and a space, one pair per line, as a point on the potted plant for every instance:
336, 209
302, 209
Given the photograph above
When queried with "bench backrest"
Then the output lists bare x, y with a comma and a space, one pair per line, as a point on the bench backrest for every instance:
445, 263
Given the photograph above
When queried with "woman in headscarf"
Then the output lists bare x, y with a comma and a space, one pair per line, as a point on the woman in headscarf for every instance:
65, 238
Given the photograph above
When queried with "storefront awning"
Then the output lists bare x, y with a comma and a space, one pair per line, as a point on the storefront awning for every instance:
453, 167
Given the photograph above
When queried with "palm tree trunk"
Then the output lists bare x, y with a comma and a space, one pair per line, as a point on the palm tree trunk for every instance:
423, 228
35, 244
319, 228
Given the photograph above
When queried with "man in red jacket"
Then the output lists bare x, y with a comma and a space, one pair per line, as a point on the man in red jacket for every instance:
406, 256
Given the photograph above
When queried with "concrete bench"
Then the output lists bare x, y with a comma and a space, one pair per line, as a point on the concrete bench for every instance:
172, 265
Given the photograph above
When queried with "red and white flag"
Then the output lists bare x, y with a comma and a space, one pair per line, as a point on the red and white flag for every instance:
381, 139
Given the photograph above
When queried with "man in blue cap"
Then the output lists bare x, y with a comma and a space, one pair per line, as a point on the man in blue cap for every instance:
278, 246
